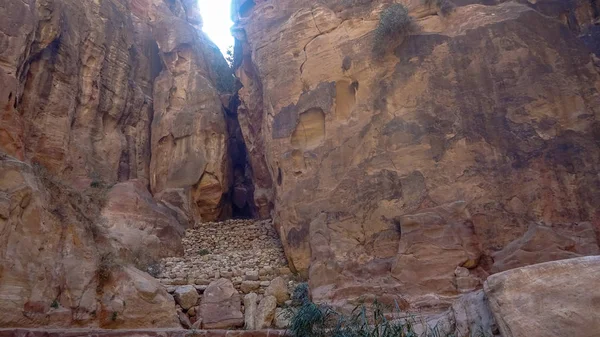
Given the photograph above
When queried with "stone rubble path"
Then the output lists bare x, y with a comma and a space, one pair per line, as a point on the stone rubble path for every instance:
248, 252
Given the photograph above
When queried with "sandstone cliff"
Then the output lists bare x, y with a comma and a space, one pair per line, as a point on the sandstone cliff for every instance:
472, 143
406, 169
113, 139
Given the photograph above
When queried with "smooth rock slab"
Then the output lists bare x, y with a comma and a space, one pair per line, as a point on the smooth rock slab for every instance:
220, 307
560, 298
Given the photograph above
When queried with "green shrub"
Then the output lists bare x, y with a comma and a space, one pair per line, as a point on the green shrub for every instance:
114, 316
54, 304
203, 252
300, 295
394, 24
313, 320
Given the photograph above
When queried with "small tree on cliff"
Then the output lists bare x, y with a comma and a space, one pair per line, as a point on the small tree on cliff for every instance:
394, 24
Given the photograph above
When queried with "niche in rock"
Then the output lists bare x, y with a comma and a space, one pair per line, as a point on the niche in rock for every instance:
310, 130
345, 98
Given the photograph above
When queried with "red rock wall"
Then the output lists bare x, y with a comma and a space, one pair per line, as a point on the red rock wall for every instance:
112, 140
472, 143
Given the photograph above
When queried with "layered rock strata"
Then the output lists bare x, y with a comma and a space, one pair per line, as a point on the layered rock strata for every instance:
471, 142
113, 140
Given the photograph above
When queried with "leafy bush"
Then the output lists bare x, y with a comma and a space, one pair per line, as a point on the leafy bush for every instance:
300, 295
375, 320
203, 252
394, 24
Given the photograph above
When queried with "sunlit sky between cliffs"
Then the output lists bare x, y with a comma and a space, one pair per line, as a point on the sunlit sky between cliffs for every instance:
217, 22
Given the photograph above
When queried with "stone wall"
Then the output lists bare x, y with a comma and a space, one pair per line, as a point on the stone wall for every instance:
235, 267
247, 252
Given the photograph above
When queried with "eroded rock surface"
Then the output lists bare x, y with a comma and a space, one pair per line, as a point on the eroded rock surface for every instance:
493, 106
557, 298
138, 225
56, 268
88, 91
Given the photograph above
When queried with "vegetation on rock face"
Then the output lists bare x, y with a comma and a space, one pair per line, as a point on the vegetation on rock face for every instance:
375, 320
300, 295
69, 204
229, 57
313, 320
445, 6
106, 265
394, 24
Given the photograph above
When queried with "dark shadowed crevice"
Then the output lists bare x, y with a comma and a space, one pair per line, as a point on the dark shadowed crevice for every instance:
241, 192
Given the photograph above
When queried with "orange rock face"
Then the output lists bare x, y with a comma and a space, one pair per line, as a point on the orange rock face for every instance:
472, 143
570, 305
56, 268
112, 140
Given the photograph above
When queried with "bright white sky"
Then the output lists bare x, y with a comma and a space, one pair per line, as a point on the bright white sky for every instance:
217, 22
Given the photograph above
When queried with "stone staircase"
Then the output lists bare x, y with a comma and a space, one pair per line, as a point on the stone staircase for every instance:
238, 263
247, 252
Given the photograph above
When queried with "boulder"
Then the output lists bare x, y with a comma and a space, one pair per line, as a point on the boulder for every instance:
47, 217
250, 301
472, 316
558, 298
186, 296
279, 289
139, 225
220, 307
139, 300
265, 313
